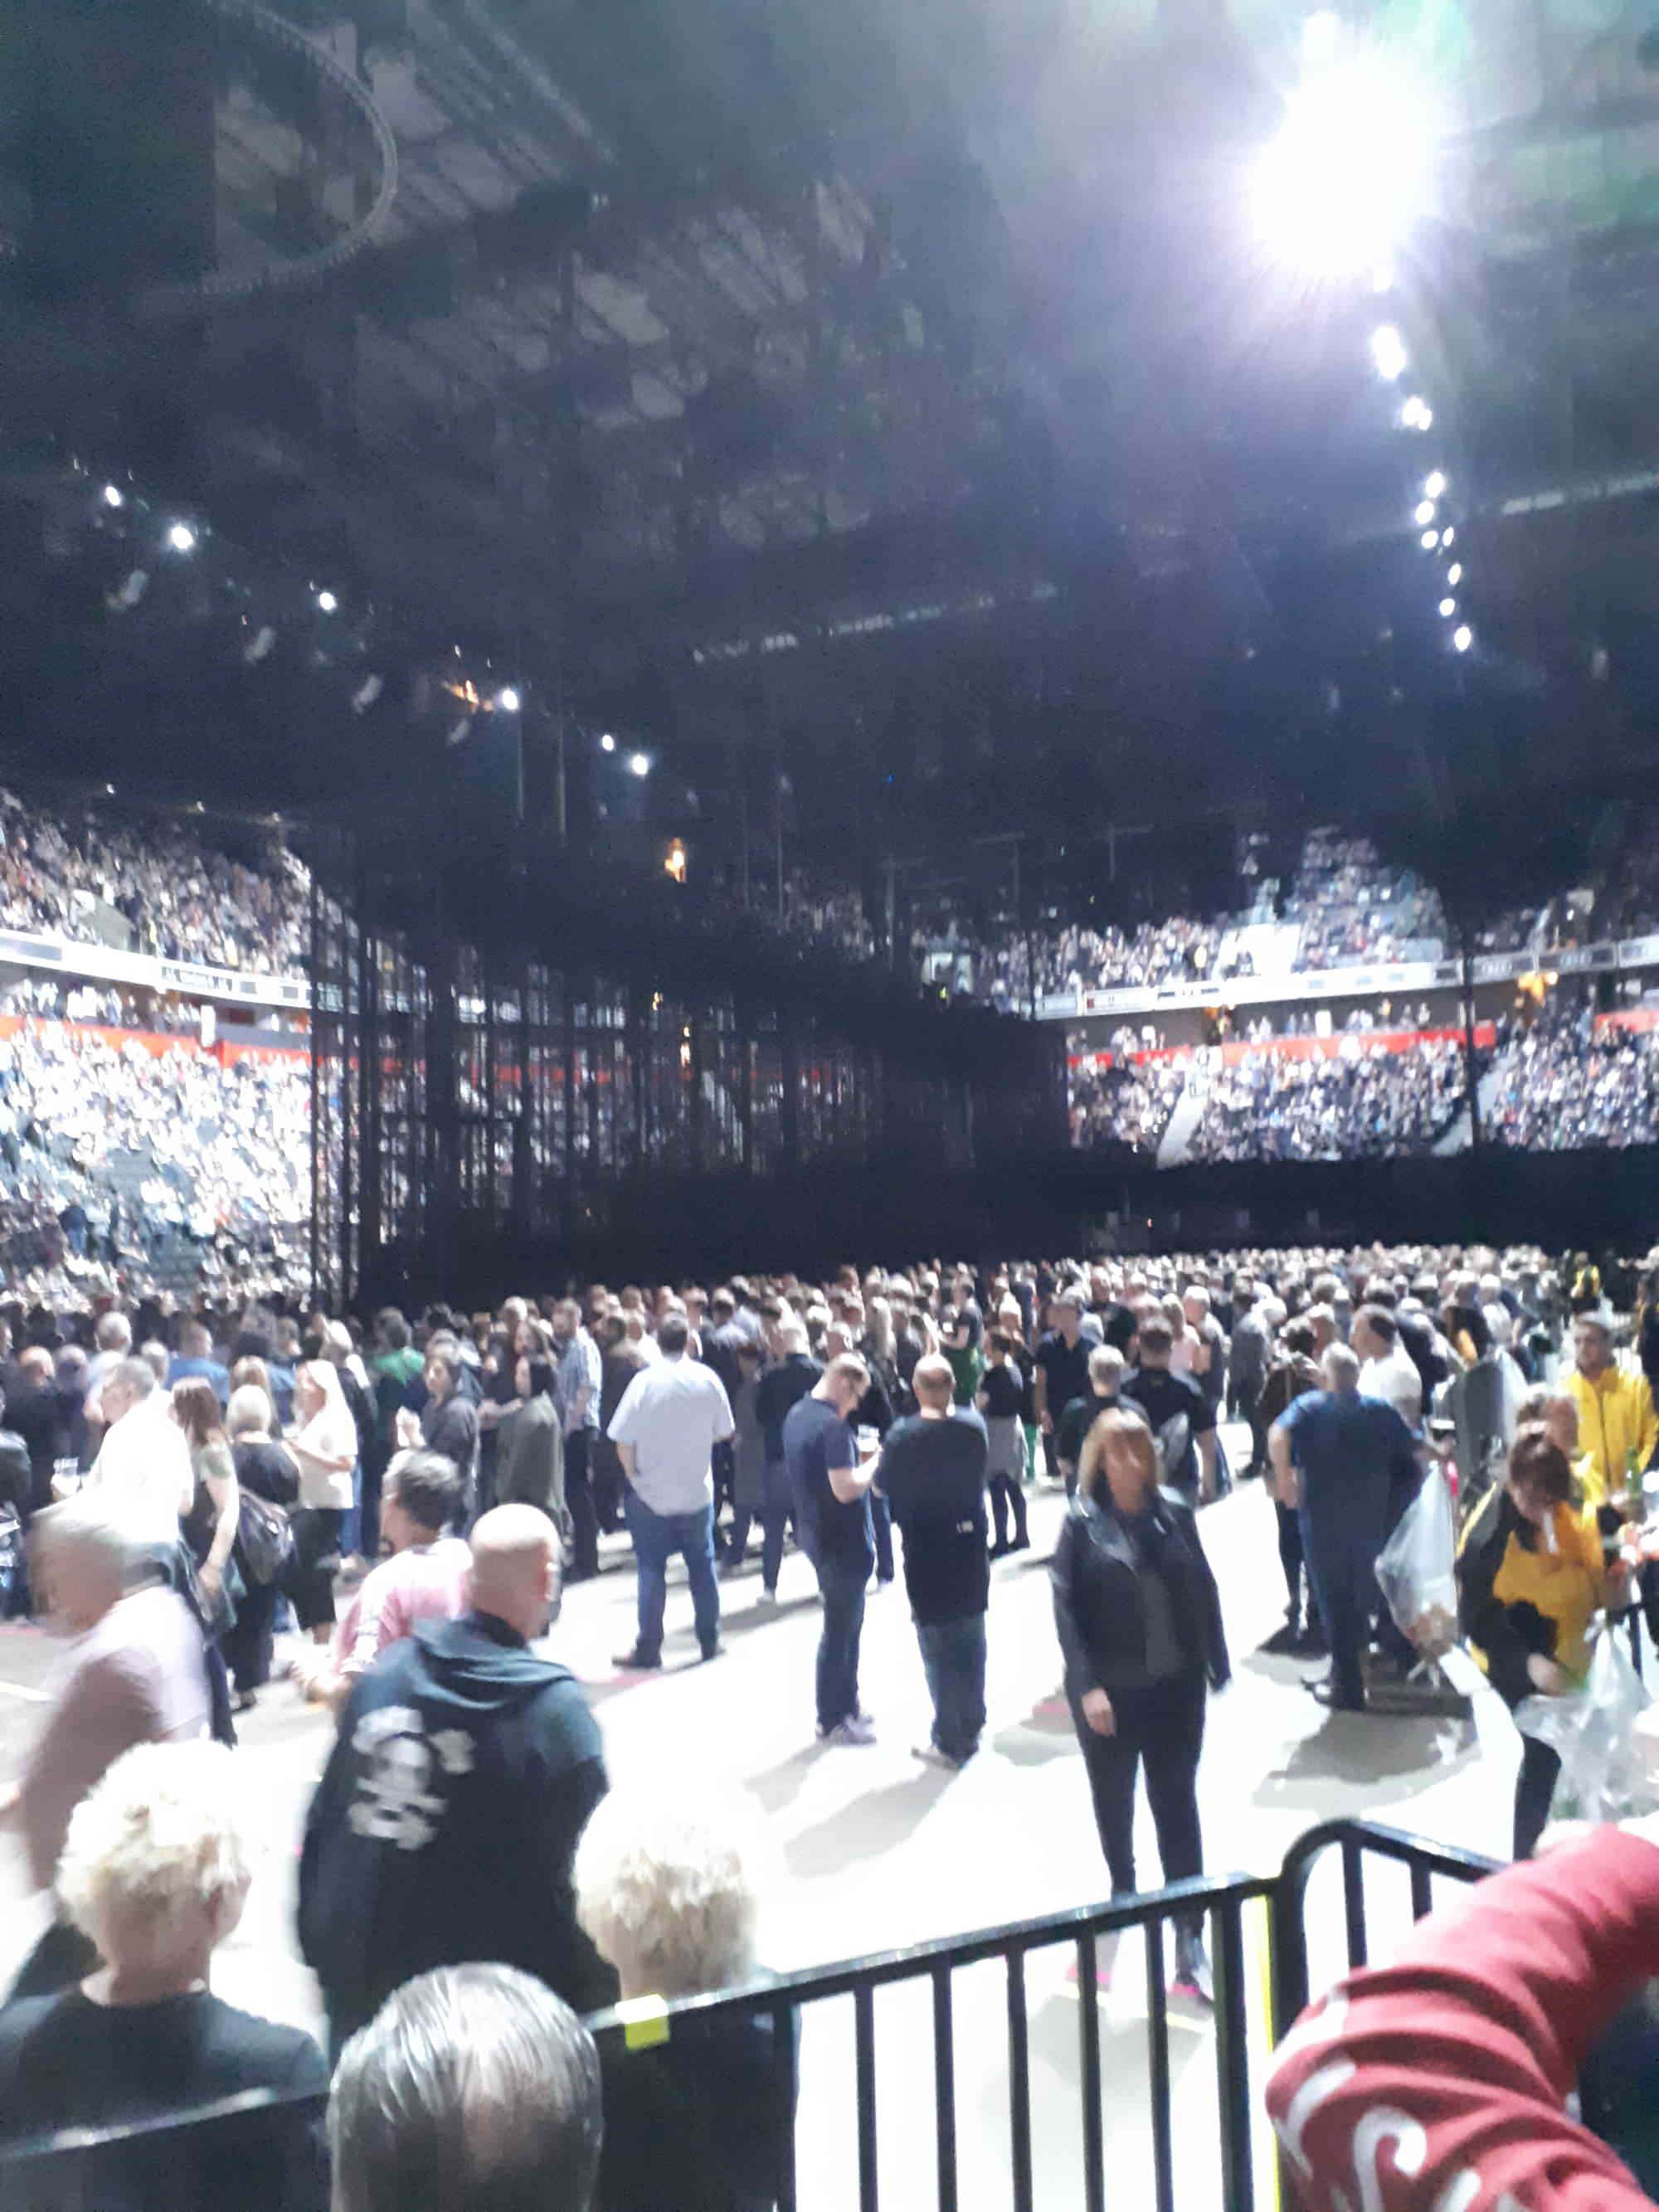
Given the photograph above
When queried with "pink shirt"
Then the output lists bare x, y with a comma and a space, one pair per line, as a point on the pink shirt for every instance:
426, 1583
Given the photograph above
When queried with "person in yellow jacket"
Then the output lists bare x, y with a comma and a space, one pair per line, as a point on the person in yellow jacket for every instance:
1618, 1427
1530, 1580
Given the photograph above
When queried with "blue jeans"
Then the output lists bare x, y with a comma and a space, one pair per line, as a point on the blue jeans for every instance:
953, 1659
843, 1583
657, 1537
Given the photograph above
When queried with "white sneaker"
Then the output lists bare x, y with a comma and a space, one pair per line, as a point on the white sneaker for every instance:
765, 1601
934, 1757
857, 1728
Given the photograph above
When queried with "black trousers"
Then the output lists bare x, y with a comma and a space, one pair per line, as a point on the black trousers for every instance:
1160, 1728
1293, 1559
316, 1555
1534, 1790
63, 1957
579, 1496
1006, 1496
247, 1643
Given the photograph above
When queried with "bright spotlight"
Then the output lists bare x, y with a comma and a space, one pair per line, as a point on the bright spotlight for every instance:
1447, 535
1448, 609
181, 538
1339, 190
327, 602
607, 743
114, 496
1434, 483
1423, 511
1463, 638
1429, 540
639, 763
1455, 574
507, 700
1416, 414
1389, 353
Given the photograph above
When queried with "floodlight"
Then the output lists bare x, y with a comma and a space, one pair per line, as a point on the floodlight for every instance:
508, 700
1429, 540
181, 538
1338, 189
1448, 609
1423, 511
1434, 483
1447, 535
1463, 637
607, 743
114, 496
1416, 414
1455, 574
640, 763
327, 602
1389, 353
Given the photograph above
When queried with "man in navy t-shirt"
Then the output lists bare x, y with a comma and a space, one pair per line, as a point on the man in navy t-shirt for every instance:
831, 1485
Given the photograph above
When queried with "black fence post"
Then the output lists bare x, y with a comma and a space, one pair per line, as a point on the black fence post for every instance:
1232, 2059
1019, 2085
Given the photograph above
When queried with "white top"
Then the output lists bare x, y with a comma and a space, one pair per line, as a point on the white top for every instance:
673, 1414
1395, 1380
143, 1468
330, 1434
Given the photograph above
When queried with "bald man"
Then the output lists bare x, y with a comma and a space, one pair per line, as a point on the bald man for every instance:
446, 1822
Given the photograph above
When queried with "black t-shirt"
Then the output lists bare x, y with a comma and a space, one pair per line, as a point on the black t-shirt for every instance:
1165, 1396
670, 2145
1075, 1423
266, 1469
1066, 1367
67, 2062
1004, 1391
966, 1316
933, 1474
815, 1439
1118, 1325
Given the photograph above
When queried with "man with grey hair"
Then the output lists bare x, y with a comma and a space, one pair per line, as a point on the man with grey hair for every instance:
471, 2086
143, 1464
135, 1674
1343, 1460
781, 1386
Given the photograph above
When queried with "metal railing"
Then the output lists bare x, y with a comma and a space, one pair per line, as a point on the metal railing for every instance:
63, 2172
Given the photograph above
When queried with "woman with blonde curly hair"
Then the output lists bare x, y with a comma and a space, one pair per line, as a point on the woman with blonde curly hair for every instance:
155, 1872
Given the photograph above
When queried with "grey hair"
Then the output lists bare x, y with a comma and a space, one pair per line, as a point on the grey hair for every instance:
1107, 1364
135, 1376
88, 1523
249, 1411
471, 2086
668, 1889
1341, 1365
791, 1333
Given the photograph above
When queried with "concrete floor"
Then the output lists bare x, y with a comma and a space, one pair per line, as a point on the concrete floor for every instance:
872, 1850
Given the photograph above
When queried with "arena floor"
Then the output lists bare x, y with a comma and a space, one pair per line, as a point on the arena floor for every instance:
873, 1850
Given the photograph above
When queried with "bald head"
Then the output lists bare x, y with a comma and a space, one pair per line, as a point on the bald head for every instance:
516, 1562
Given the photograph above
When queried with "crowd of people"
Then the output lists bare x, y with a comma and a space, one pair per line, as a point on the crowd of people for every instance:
121, 1165
1360, 1102
419, 1494
1565, 1085
71, 872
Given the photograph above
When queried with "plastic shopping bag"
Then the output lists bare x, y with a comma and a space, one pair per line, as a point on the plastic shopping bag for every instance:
1417, 1568
1593, 1732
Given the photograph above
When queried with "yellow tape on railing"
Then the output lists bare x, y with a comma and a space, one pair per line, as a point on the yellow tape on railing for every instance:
645, 2022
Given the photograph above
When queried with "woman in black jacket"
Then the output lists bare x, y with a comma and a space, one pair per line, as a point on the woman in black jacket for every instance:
1139, 1622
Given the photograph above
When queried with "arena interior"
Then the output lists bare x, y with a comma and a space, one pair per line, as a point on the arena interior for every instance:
828, 1108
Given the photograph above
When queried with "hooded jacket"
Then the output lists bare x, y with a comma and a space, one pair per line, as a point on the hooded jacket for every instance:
447, 1820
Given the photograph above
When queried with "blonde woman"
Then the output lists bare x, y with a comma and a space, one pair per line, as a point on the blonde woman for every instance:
1140, 1624
323, 1443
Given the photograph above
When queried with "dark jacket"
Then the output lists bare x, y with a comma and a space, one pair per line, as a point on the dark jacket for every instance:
445, 1824
1098, 1604
670, 2144
782, 1389
530, 1460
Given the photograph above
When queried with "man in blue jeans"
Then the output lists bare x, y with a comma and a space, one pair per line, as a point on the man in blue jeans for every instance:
831, 1483
781, 1386
933, 1470
670, 1417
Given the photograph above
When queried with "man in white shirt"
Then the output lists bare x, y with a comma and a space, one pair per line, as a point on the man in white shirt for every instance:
1387, 1371
143, 1465
670, 1417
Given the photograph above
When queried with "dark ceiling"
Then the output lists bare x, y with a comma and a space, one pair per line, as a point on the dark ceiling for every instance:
735, 364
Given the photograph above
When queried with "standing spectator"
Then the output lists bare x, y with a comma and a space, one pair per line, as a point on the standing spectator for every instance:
530, 1448
446, 1822
1000, 1399
194, 1361
1138, 1619
665, 1430
1177, 1413
932, 1468
1387, 1370
156, 1869
619, 1363
133, 1675
472, 2086
324, 1443
1294, 1373
1617, 1425
1343, 1459
1106, 1372
267, 1470
783, 1386
1062, 1369
576, 1394
747, 1453
1247, 1367
449, 1422
831, 1486
210, 1532
144, 1462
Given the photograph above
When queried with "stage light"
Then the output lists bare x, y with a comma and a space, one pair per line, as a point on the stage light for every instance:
327, 602
1338, 191
607, 743
114, 496
1455, 574
127, 596
1389, 355
1448, 608
639, 763
1423, 511
1447, 535
259, 645
1429, 540
1416, 414
1434, 483
1463, 637
365, 694
181, 538
508, 701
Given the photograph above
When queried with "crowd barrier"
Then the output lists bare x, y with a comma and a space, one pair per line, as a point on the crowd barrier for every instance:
1261, 1962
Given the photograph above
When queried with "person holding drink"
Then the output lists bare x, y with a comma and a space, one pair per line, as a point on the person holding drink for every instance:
831, 1477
